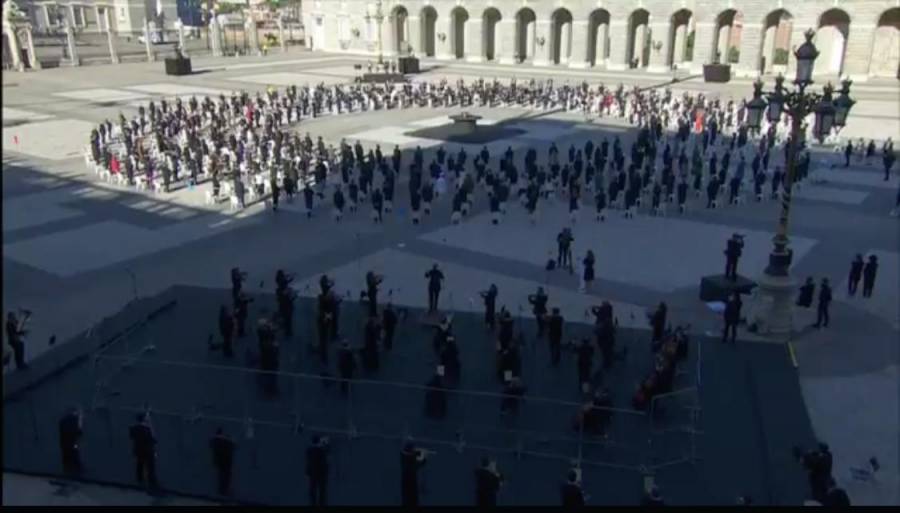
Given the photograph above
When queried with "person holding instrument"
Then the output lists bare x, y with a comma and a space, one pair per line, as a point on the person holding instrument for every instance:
487, 483
412, 459
15, 336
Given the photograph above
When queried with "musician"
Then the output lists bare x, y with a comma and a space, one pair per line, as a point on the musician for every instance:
372, 282
15, 336
143, 446
237, 282
389, 323
487, 483
317, 470
490, 306
733, 251
70, 431
538, 302
571, 492
411, 460
223, 456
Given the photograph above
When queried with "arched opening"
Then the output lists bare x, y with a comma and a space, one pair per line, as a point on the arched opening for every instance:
727, 40
400, 23
459, 17
776, 41
525, 24
831, 41
681, 38
598, 37
885, 60
638, 51
428, 19
489, 26
561, 36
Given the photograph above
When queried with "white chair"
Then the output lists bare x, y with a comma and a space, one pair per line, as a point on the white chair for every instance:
210, 198
235, 203
157, 186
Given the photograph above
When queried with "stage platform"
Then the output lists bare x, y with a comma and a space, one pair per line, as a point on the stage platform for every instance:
750, 413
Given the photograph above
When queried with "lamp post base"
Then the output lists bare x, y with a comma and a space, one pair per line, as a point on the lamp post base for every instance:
773, 312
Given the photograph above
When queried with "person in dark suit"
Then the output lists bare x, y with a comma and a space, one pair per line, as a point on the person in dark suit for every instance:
143, 446
856, 271
222, 448
555, 332
389, 323
869, 271
490, 306
435, 279
436, 396
658, 322
346, 366
69, 435
807, 291
732, 316
733, 251
538, 302
487, 483
824, 302
226, 329
317, 470
411, 460
571, 492
835, 497
585, 363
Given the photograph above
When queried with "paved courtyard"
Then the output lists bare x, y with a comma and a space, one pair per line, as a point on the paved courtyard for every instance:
77, 250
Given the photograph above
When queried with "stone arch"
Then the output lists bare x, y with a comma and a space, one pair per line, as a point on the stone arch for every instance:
831, 41
428, 19
526, 22
560, 36
490, 19
885, 58
680, 29
458, 16
775, 47
598, 37
400, 32
637, 53
727, 36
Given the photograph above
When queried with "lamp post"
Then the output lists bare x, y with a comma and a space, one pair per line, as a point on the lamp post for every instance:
379, 19
776, 286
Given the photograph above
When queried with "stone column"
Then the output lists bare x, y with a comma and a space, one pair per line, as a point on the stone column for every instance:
505, 41
679, 44
474, 47
579, 42
113, 53
97, 18
704, 33
600, 45
281, 40
659, 33
639, 45
443, 50
70, 44
618, 40
147, 45
72, 15
13, 39
542, 55
565, 43
29, 42
751, 44
858, 55
252, 36
414, 36
388, 37
46, 10
215, 37
180, 28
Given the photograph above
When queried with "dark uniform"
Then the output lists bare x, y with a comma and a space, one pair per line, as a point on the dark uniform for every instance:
435, 277
487, 484
69, 434
411, 460
223, 456
143, 445
317, 471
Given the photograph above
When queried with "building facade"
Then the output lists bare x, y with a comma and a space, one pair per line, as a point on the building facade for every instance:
856, 38
125, 17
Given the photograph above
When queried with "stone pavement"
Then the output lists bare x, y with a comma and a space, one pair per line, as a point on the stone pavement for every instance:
76, 250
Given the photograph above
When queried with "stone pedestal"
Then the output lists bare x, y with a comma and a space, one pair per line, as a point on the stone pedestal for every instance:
772, 310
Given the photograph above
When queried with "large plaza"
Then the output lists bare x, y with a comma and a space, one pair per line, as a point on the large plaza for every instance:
88, 257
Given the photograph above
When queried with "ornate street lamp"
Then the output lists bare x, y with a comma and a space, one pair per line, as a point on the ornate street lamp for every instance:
842, 105
776, 286
806, 56
756, 107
